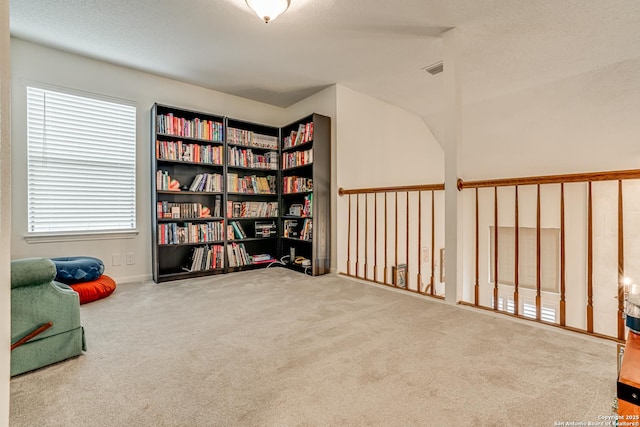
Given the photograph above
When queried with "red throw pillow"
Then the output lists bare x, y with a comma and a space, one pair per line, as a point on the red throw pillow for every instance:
97, 289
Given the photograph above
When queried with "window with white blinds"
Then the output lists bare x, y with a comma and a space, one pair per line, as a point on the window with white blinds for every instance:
527, 264
81, 163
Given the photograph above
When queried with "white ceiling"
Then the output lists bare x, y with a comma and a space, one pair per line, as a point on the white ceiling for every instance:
376, 47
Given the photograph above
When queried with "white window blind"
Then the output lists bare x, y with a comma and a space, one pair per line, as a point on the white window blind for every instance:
548, 314
527, 309
81, 163
549, 257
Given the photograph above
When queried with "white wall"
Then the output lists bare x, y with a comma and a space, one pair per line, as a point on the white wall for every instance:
324, 103
583, 123
5, 213
383, 145
35, 63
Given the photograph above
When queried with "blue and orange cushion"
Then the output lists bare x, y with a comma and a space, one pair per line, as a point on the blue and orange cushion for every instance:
94, 290
84, 275
77, 269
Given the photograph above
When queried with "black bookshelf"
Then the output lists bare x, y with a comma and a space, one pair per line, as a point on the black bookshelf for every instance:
306, 182
239, 167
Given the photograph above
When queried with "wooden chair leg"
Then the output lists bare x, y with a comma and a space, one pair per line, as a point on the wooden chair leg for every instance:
31, 335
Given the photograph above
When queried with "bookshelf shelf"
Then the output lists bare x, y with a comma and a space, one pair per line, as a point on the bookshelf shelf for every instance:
297, 239
252, 239
216, 242
304, 146
252, 169
191, 193
308, 165
240, 218
166, 276
201, 219
180, 162
297, 193
251, 223
188, 138
252, 194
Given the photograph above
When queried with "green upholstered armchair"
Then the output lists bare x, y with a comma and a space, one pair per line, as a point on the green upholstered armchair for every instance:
36, 300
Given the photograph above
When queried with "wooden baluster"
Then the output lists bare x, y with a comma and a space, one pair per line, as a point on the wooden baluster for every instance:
538, 276
395, 277
348, 240
386, 251
620, 263
433, 244
419, 278
406, 275
357, 235
516, 271
366, 235
476, 298
563, 304
590, 261
375, 237
495, 247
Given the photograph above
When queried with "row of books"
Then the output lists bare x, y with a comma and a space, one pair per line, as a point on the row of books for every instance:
294, 230
237, 255
290, 228
208, 182
196, 128
186, 210
303, 135
251, 209
172, 233
306, 231
307, 206
246, 158
235, 231
251, 139
296, 184
251, 184
297, 158
163, 180
206, 258
183, 152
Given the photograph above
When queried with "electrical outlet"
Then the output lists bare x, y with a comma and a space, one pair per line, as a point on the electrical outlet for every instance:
131, 258
425, 255
116, 259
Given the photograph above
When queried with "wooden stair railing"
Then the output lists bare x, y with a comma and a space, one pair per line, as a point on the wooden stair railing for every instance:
412, 215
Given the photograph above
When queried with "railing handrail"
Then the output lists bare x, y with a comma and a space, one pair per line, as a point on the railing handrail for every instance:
552, 179
397, 189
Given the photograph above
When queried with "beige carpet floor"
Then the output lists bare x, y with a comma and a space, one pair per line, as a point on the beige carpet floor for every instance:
277, 348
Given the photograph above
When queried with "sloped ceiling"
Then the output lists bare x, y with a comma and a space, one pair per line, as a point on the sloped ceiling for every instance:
560, 54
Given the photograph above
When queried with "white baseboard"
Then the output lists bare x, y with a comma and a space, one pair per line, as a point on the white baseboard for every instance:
133, 279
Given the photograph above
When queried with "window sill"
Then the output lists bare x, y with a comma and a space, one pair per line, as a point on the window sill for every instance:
80, 236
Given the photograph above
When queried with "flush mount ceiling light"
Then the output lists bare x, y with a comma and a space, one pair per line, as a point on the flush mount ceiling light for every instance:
268, 10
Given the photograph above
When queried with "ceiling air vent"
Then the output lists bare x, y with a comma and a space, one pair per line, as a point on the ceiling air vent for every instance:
434, 69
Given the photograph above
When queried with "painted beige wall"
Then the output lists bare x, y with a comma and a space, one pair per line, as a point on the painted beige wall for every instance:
5, 213
383, 145
33, 63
